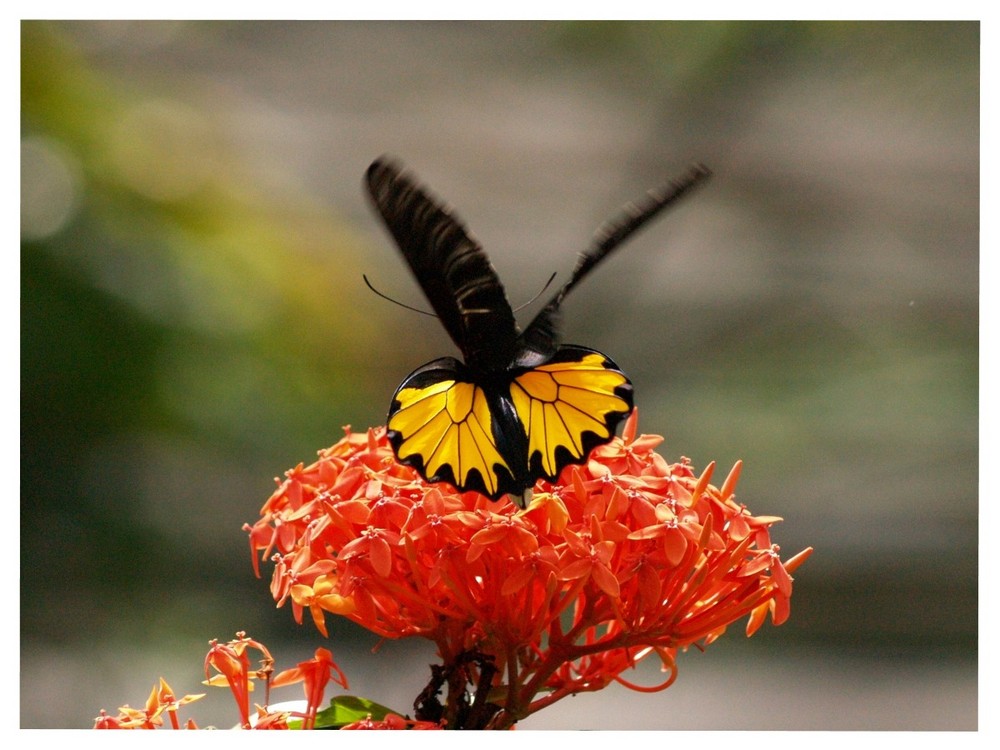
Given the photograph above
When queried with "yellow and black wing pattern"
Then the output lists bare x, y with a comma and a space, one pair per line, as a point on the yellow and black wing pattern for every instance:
521, 406
498, 435
442, 424
568, 406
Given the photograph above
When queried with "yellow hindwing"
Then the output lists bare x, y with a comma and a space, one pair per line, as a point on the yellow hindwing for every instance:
448, 424
559, 401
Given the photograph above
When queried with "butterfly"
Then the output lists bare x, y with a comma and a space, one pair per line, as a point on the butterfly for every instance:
521, 405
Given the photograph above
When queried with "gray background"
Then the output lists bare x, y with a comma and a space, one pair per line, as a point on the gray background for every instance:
194, 323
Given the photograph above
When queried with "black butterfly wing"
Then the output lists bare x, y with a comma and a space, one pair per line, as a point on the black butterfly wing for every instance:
540, 340
450, 266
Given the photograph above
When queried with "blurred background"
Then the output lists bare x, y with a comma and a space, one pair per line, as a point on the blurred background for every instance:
194, 323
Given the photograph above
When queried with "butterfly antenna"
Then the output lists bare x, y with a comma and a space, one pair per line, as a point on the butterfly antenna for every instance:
539, 294
395, 301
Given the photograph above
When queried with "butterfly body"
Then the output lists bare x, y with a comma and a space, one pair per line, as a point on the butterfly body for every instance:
521, 406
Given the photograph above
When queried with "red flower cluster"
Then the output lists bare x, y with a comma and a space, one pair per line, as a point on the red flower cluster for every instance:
624, 556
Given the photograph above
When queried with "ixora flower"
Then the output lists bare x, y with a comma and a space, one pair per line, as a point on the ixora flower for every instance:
624, 557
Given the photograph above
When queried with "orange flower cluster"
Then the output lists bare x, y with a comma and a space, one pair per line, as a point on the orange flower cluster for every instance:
162, 702
229, 665
625, 556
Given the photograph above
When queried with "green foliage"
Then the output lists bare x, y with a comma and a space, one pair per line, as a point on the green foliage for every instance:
346, 709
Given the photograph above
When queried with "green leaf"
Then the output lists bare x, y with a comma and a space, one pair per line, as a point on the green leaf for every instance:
345, 709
